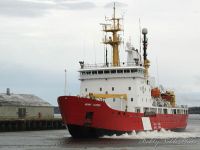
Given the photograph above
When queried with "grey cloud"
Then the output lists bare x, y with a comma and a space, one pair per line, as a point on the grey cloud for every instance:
63, 1
43, 83
20, 8
117, 4
78, 5
188, 98
23, 8
197, 80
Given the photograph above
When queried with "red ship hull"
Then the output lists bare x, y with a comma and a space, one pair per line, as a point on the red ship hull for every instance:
86, 117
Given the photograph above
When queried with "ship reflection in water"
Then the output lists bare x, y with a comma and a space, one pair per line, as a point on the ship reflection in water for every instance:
59, 139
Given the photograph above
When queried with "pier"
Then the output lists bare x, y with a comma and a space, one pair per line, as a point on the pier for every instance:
30, 125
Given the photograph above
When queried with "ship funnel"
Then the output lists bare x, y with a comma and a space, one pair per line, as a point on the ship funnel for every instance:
145, 42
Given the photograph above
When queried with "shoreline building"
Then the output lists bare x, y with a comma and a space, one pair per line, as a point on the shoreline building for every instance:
24, 106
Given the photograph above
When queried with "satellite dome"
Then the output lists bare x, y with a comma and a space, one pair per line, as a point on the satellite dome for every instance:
144, 31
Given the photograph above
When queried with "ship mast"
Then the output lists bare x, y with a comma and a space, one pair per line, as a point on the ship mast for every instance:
115, 40
146, 61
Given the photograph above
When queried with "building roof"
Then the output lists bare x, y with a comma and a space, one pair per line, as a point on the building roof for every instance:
22, 100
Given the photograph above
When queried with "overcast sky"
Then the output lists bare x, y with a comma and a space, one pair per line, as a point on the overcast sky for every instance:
40, 38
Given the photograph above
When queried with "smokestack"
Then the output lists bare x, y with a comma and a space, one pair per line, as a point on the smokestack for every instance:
8, 91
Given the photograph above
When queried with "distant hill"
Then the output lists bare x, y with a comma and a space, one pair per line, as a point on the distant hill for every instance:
194, 110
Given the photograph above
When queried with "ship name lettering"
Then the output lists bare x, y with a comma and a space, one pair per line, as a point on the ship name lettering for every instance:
87, 104
97, 105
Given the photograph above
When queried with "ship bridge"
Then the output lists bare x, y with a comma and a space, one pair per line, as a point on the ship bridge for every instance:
126, 79
104, 72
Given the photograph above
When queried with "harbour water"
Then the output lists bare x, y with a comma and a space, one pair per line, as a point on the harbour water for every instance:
61, 139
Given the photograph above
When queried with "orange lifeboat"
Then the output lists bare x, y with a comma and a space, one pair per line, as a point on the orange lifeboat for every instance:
155, 92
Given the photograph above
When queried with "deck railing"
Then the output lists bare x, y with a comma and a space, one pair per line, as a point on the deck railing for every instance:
104, 65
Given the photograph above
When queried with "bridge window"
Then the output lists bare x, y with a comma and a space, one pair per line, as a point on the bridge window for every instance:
85, 89
88, 72
140, 71
100, 89
113, 71
133, 70
127, 71
131, 99
100, 72
83, 73
94, 72
129, 88
119, 71
106, 71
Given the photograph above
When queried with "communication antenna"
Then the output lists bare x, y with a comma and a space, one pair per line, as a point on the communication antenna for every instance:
157, 70
83, 49
140, 35
94, 52
65, 88
106, 56
123, 14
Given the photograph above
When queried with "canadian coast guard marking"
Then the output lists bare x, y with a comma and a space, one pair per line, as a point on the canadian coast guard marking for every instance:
156, 126
88, 104
97, 105
146, 123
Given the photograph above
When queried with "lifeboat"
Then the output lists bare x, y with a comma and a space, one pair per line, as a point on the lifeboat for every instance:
155, 92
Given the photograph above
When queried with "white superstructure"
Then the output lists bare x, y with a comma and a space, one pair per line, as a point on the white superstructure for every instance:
118, 80
124, 86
